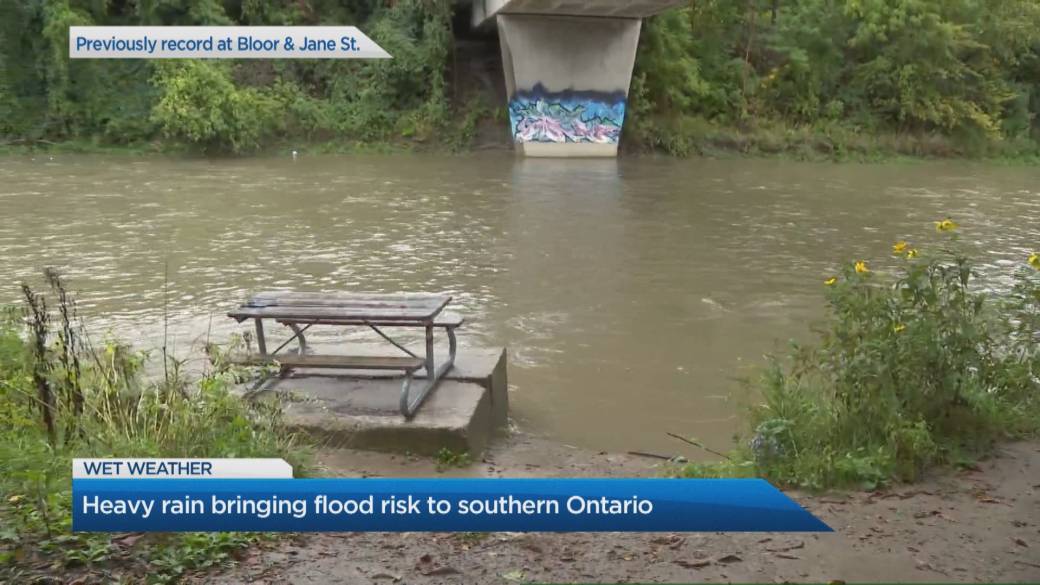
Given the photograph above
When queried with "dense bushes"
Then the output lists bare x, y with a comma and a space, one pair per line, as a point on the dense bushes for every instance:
831, 77
922, 366
200, 105
62, 397
965, 70
224, 106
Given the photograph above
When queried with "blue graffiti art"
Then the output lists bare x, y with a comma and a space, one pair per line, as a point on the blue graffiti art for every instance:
568, 116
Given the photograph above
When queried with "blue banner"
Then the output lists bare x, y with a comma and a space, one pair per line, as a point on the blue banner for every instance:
436, 505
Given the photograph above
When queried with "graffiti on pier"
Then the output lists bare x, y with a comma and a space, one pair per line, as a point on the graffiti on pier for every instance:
568, 116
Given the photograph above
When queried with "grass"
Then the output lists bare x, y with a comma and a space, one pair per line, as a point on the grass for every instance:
62, 397
680, 136
457, 143
823, 141
471, 539
917, 367
447, 459
86, 146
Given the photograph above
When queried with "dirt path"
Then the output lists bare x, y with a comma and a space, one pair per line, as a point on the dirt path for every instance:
977, 525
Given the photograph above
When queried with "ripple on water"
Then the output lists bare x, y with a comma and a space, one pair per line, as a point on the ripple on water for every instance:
603, 278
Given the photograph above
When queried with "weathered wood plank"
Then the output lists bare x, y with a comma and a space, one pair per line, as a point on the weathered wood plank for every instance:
444, 319
448, 319
416, 301
259, 303
316, 313
408, 364
347, 295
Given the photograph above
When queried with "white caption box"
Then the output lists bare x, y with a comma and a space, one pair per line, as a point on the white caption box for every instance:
222, 42
181, 468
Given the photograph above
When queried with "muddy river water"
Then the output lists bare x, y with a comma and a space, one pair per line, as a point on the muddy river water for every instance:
631, 294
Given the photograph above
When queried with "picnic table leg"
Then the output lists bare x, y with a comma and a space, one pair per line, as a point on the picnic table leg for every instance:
433, 374
405, 387
299, 336
407, 406
261, 343
452, 345
429, 352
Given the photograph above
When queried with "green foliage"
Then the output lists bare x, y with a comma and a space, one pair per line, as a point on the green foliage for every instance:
912, 369
809, 78
392, 99
447, 458
965, 69
200, 105
225, 107
471, 538
61, 397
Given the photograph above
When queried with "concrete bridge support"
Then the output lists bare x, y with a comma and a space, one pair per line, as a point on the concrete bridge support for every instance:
567, 78
568, 66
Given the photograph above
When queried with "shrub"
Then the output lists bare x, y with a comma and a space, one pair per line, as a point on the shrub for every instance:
61, 398
918, 367
961, 68
200, 105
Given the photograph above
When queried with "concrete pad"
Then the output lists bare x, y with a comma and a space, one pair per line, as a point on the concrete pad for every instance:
567, 150
360, 411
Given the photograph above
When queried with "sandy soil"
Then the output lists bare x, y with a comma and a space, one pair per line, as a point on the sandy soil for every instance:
975, 525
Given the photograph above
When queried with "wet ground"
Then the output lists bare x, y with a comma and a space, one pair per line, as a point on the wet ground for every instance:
980, 524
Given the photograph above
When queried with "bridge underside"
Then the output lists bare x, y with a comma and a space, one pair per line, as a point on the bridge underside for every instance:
568, 66
484, 10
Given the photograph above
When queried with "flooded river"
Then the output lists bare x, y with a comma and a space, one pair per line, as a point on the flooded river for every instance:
630, 293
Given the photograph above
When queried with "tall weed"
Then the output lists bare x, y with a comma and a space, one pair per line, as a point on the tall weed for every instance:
61, 397
917, 367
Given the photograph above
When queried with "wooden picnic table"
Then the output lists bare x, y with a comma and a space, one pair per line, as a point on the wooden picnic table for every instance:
301, 310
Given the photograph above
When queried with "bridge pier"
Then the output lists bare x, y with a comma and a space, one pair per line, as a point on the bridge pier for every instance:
567, 78
568, 66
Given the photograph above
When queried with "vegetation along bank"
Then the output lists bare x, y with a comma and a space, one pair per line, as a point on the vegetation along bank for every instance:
803, 78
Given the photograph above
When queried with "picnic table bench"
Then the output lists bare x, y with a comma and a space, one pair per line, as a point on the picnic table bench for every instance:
302, 310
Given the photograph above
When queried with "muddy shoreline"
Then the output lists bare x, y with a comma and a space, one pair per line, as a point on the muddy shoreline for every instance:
980, 524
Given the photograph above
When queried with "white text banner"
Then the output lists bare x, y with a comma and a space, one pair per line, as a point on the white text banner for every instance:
222, 42
181, 468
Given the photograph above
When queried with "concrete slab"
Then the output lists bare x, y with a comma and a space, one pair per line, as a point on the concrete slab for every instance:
360, 411
567, 150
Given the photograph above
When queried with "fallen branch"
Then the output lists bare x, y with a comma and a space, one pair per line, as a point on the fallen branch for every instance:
650, 455
699, 445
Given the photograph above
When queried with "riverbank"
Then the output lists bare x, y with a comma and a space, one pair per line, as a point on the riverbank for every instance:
686, 136
976, 524
65, 395
683, 139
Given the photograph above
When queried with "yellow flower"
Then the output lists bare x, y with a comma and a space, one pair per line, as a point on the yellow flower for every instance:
831, 281
1034, 260
911, 254
946, 225
899, 328
861, 267
899, 247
